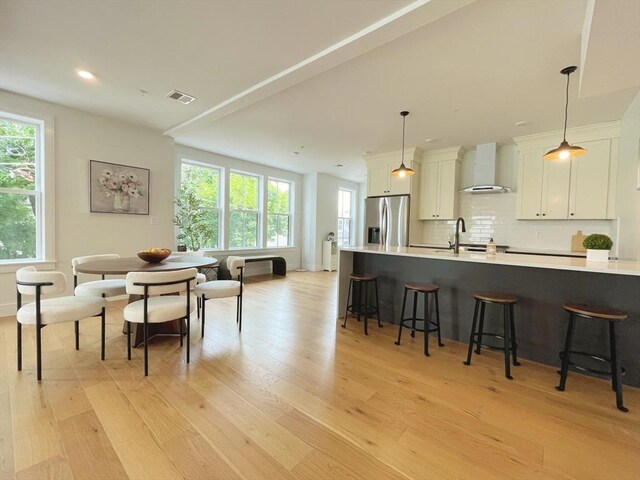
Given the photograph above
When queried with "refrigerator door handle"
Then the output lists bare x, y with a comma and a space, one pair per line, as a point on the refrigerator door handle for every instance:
383, 230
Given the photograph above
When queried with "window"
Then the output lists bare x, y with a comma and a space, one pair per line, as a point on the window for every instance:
244, 210
200, 193
345, 216
278, 213
21, 188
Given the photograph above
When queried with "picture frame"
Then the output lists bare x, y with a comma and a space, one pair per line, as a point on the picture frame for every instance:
117, 188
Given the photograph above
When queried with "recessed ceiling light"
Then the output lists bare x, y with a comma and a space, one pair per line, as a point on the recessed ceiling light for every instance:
295, 153
367, 152
521, 123
429, 140
86, 74
339, 165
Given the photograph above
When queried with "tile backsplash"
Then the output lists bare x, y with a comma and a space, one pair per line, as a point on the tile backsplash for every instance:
494, 215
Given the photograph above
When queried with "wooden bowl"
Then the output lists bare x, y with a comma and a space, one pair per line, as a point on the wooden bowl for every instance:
154, 257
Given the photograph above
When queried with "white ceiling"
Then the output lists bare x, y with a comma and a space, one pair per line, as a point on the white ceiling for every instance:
467, 71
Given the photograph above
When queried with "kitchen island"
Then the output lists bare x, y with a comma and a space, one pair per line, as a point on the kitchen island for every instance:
542, 284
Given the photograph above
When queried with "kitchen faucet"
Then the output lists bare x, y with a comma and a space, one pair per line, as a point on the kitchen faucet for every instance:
456, 245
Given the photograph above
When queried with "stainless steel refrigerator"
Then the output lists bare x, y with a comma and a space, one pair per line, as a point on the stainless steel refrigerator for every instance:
387, 221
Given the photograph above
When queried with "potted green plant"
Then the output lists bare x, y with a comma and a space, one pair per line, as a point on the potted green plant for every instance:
598, 246
191, 220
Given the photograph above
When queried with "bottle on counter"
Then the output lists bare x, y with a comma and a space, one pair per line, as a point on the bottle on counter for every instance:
491, 248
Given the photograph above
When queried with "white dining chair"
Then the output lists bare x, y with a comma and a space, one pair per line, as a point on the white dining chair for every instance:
42, 312
224, 289
159, 303
105, 288
200, 278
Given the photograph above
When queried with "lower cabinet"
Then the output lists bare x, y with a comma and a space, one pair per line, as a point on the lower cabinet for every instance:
329, 255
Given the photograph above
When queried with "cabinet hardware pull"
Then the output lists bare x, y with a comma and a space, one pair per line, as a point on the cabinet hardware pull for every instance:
544, 214
537, 214
572, 214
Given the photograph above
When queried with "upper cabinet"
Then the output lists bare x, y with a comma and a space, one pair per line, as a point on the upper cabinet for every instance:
439, 183
379, 168
581, 188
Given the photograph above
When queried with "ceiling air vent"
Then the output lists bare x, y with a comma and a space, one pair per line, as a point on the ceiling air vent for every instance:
181, 97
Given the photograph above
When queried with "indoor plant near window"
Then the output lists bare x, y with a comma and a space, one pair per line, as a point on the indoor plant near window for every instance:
598, 246
191, 220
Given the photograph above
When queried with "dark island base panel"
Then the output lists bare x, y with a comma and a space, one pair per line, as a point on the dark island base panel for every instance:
541, 322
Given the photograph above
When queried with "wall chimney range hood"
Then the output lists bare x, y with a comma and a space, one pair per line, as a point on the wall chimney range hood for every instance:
484, 171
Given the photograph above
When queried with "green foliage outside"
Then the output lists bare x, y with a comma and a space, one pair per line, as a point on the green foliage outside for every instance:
197, 208
278, 209
17, 171
597, 241
244, 204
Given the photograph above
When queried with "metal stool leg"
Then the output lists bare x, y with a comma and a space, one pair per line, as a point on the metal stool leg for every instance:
480, 329
366, 306
514, 343
346, 310
440, 344
565, 355
375, 282
415, 307
507, 341
615, 368
404, 303
473, 331
426, 324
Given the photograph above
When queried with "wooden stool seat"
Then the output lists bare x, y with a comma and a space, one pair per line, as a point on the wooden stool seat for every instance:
422, 287
495, 297
595, 311
362, 277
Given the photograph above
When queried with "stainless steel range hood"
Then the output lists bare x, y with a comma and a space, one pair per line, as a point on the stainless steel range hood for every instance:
484, 171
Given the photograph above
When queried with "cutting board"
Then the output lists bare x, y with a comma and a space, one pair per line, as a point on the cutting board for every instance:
576, 242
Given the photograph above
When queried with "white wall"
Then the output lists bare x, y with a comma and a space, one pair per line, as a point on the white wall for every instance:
494, 215
628, 195
291, 254
80, 137
322, 189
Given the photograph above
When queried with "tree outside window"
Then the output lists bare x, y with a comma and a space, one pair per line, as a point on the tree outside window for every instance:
345, 217
20, 189
278, 213
244, 210
198, 207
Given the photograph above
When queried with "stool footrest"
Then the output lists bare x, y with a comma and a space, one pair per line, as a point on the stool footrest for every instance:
490, 347
408, 322
603, 373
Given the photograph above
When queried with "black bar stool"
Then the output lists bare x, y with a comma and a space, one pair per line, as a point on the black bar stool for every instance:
426, 289
362, 281
507, 300
595, 313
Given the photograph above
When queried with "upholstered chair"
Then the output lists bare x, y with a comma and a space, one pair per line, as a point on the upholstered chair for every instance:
42, 312
111, 287
224, 289
166, 296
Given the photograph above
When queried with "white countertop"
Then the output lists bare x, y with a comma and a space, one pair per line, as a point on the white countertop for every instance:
618, 267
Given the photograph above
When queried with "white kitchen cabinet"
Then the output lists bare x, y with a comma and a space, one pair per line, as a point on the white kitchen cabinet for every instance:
379, 168
581, 188
329, 255
439, 175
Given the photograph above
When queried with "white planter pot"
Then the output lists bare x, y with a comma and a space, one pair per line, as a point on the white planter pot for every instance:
597, 255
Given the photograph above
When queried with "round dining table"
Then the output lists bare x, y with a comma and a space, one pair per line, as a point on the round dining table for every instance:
122, 266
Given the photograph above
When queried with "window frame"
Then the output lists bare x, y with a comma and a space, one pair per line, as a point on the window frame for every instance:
220, 200
289, 215
350, 219
43, 191
259, 213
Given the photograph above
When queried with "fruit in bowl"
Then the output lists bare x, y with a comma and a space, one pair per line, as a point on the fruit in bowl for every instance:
154, 255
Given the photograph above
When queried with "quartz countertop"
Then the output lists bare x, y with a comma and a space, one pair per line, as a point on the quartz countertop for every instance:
618, 267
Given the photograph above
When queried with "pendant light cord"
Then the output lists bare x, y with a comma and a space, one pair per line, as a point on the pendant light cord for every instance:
566, 109
404, 118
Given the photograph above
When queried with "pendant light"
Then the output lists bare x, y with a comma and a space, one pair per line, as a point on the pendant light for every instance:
402, 171
565, 151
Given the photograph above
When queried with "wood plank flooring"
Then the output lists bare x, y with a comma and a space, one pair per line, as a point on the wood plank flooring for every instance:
295, 396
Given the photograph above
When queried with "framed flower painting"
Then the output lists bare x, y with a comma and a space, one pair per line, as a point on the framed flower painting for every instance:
118, 188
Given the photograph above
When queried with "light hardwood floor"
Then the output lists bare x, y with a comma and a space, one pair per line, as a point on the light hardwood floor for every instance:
294, 396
